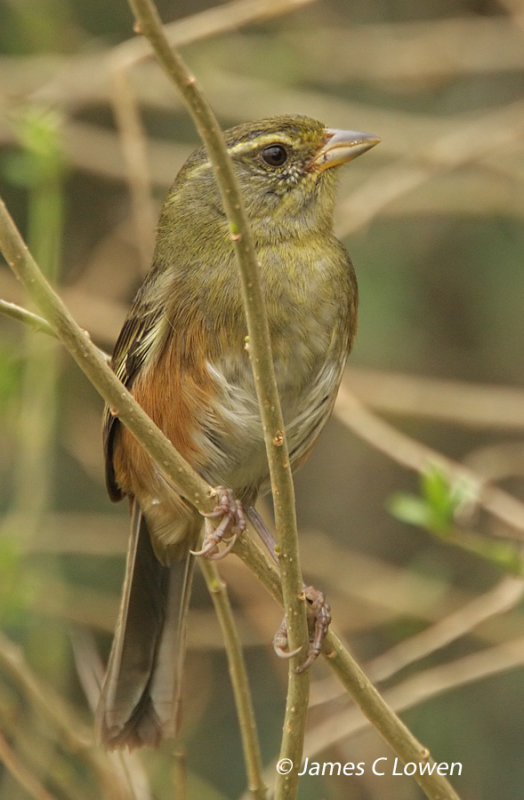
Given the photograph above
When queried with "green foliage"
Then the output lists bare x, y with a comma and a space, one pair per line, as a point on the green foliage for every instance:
435, 510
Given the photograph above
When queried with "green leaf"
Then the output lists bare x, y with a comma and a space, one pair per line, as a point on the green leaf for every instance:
410, 509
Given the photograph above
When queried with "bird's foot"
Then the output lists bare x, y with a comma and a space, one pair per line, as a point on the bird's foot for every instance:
232, 523
319, 618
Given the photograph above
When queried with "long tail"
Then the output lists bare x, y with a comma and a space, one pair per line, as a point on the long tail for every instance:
140, 698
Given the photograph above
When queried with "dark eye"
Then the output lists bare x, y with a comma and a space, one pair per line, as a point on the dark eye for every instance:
275, 155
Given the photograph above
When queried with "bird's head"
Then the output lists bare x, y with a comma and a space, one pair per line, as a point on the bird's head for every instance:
285, 168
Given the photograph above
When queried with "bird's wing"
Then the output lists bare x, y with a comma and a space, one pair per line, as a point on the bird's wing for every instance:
131, 351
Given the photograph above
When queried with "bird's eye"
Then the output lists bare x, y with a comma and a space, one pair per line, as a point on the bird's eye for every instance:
275, 155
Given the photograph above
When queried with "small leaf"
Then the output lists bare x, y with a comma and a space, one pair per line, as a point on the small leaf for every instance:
441, 497
410, 509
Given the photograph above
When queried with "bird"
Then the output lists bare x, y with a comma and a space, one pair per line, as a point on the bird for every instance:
182, 354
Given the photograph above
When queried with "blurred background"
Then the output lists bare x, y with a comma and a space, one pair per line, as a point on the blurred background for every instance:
411, 508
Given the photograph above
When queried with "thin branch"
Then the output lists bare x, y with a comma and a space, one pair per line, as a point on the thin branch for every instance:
503, 597
259, 348
411, 53
210, 22
239, 679
23, 315
384, 719
132, 136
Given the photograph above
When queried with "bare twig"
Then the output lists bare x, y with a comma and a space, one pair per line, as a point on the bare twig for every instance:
23, 315
228, 16
134, 150
384, 719
239, 680
356, 682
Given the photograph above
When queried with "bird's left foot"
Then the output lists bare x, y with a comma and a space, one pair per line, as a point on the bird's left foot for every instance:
232, 524
319, 618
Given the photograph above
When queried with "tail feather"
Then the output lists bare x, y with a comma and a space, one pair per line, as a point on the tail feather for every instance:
139, 702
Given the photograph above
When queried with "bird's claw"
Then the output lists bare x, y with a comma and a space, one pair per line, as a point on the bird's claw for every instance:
319, 618
281, 644
231, 525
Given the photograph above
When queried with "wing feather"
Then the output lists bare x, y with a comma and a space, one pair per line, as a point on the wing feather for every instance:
130, 354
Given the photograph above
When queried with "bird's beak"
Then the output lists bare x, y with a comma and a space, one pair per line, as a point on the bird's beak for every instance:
342, 146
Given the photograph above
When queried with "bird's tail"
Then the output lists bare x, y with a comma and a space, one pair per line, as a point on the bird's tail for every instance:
140, 699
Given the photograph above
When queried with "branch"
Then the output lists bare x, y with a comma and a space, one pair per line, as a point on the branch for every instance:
457, 625
226, 17
23, 315
384, 719
501, 130
239, 680
149, 24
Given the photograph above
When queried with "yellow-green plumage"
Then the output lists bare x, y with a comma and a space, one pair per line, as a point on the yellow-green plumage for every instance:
182, 352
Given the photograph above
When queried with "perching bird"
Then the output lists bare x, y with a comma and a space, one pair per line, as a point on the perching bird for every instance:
182, 354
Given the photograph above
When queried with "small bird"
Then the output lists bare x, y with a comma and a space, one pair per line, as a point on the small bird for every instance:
182, 354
